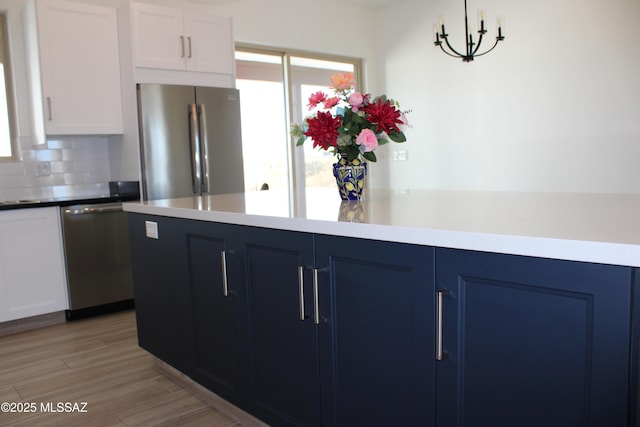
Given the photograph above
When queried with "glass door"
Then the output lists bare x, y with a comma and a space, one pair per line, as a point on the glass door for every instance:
313, 166
264, 120
274, 92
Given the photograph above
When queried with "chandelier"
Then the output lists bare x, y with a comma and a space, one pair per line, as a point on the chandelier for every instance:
472, 47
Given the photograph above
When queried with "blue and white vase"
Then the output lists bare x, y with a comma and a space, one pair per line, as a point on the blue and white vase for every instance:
352, 211
350, 177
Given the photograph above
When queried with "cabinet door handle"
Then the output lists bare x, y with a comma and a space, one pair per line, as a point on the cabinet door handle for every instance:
182, 44
189, 42
49, 111
225, 284
204, 148
440, 353
316, 305
301, 291
195, 142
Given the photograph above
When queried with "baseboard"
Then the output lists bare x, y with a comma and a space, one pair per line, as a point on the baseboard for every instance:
113, 307
29, 323
208, 396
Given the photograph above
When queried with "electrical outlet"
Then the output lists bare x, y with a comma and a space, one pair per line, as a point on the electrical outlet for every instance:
43, 169
401, 155
151, 229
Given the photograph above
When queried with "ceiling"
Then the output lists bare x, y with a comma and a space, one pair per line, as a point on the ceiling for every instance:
374, 4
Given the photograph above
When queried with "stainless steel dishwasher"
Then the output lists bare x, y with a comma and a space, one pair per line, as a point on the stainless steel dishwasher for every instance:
96, 246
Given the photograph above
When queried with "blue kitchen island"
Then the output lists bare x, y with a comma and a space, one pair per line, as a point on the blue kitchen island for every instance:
417, 308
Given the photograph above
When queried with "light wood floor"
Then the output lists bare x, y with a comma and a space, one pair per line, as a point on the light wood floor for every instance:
97, 361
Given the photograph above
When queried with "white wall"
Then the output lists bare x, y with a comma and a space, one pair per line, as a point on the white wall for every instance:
555, 107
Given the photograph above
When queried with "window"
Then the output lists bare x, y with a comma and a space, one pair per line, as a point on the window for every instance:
7, 137
274, 91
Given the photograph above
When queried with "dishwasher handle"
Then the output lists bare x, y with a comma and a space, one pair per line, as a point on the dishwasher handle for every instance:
91, 210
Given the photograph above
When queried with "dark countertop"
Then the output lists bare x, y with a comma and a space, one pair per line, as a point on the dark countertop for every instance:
121, 191
25, 204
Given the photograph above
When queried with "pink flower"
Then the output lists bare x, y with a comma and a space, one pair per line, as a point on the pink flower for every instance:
367, 140
356, 100
342, 81
331, 102
316, 99
405, 122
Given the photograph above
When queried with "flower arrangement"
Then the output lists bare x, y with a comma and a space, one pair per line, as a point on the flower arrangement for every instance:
351, 124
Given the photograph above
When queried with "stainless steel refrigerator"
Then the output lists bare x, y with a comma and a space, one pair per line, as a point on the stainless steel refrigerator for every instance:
190, 141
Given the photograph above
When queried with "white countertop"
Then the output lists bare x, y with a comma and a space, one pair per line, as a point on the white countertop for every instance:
602, 228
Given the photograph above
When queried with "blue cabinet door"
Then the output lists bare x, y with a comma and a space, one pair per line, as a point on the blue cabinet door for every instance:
376, 309
163, 301
532, 342
283, 339
217, 299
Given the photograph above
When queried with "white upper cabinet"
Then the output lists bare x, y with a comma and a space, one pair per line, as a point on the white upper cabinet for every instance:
75, 67
210, 46
174, 39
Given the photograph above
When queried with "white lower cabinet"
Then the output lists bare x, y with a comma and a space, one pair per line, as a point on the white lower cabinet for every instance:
32, 275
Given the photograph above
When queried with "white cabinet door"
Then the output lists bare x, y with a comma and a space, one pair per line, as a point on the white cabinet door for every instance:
80, 68
32, 277
173, 39
158, 37
209, 43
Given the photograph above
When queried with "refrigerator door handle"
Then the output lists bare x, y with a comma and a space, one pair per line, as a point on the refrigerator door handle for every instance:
204, 149
194, 141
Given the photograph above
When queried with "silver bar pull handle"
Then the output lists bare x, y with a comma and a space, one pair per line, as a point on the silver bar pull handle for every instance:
225, 282
194, 140
204, 148
316, 305
49, 111
440, 353
190, 50
301, 291
182, 45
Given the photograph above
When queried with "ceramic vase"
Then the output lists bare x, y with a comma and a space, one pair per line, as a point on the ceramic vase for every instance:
350, 177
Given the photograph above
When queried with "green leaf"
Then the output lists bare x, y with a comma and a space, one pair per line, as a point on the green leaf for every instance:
357, 119
343, 140
301, 141
382, 98
352, 151
370, 155
396, 136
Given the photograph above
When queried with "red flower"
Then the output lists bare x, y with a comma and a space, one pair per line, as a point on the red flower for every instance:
323, 129
385, 116
331, 102
316, 99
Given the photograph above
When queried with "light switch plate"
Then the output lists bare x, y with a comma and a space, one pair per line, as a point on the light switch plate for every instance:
151, 229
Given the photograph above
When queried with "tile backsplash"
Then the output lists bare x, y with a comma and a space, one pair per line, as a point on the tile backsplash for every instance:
70, 166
